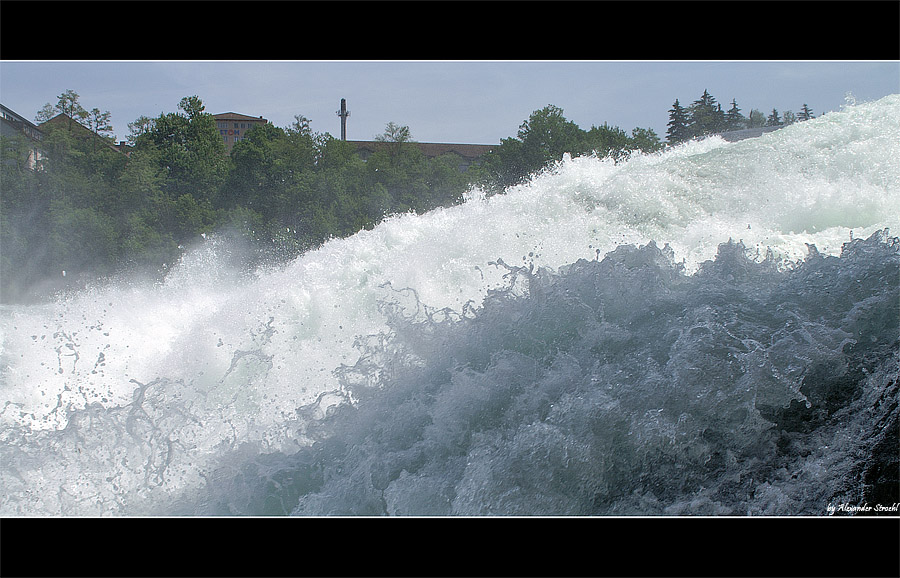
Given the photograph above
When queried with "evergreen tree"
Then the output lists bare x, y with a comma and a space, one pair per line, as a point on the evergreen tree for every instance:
719, 122
678, 124
706, 116
734, 120
774, 119
805, 113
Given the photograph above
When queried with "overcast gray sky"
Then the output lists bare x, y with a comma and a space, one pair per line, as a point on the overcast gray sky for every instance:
442, 101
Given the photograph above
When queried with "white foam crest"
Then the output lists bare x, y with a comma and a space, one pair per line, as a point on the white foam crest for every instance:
813, 182
249, 350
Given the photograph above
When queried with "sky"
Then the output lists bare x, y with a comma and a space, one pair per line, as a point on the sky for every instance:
478, 102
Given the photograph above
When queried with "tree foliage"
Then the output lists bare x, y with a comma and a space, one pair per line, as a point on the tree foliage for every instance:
805, 113
678, 124
546, 136
92, 210
705, 117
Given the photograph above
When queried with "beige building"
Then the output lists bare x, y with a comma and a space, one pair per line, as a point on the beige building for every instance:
233, 126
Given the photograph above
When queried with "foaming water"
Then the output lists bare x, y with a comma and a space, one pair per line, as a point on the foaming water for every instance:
571, 346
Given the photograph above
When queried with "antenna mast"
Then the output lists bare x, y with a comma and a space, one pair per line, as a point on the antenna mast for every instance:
343, 113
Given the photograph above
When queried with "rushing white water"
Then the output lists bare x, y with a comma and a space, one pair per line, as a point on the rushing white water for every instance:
134, 398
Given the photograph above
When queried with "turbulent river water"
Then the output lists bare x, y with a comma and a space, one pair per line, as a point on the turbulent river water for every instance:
711, 330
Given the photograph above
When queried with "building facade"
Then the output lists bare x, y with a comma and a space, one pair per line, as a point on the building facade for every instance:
233, 127
14, 125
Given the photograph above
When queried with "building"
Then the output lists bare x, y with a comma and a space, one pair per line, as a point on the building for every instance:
233, 126
466, 154
83, 133
13, 125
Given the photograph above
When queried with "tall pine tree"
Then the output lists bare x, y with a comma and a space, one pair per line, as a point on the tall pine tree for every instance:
734, 120
805, 113
678, 124
706, 116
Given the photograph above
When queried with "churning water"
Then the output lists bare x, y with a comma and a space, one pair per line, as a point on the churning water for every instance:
710, 330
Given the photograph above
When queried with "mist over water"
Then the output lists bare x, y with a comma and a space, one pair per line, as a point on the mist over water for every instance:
712, 330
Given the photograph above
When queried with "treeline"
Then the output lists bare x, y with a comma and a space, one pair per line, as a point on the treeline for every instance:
705, 116
90, 211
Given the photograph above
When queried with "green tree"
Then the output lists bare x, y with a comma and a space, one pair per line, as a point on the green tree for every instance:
503, 166
547, 135
81, 239
144, 246
396, 169
805, 113
706, 116
192, 107
678, 124
395, 136
773, 119
68, 104
23, 218
47, 112
99, 123
190, 149
141, 180
788, 118
257, 174
644, 140
734, 120
757, 119
300, 125
608, 141
444, 182
541, 140
141, 126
